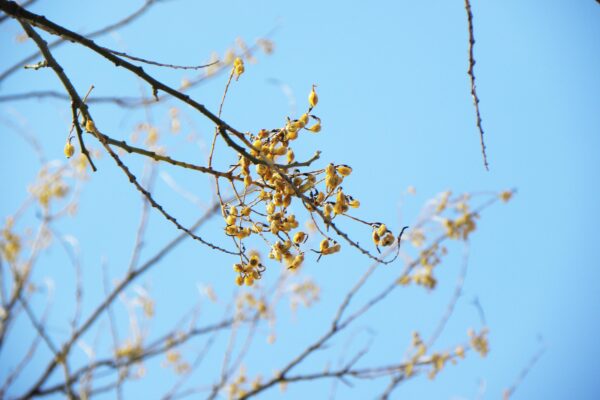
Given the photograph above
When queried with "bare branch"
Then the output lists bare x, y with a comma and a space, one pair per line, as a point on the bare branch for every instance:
473, 86
534, 359
130, 277
127, 102
455, 296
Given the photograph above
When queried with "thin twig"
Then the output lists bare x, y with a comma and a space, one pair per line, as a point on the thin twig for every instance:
143, 224
130, 277
150, 62
452, 303
112, 323
473, 86
126, 102
78, 104
534, 359
158, 347
41, 331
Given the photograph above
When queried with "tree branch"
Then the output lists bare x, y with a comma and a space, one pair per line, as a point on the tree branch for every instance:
473, 86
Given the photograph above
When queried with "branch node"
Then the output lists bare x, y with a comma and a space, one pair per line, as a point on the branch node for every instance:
36, 66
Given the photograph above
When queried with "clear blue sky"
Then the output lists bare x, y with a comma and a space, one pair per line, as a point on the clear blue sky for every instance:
395, 103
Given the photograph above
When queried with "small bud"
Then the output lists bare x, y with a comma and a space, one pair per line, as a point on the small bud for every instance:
90, 126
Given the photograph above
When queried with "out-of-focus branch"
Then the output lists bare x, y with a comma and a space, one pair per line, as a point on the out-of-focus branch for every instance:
143, 224
21, 279
36, 388
14, 374
126, 102
534, 359
455, 296
75, 261
158, 347
41, 331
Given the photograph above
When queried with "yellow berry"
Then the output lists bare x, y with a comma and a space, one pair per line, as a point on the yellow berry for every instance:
299, 237
344, 170
69, 150
315, 128
313, 99
238, 267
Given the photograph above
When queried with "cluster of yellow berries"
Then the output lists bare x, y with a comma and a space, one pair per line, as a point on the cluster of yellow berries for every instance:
247, 304
306, 292
238, 67
249, 271
50, 186
173, 359
259, 177
129, 350
423, 275
382, 236
437, 360
461, 227
418, 350
479, 341
241, 385
10, 243
326, 247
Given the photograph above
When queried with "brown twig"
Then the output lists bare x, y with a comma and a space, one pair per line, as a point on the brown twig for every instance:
158, 64
74, 113
78, 104
473, 86
24, 4
41, 22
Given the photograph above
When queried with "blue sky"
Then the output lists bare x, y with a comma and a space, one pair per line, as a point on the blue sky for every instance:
395, 103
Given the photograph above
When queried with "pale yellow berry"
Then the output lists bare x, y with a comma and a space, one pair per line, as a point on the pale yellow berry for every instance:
69, 150
313, 99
